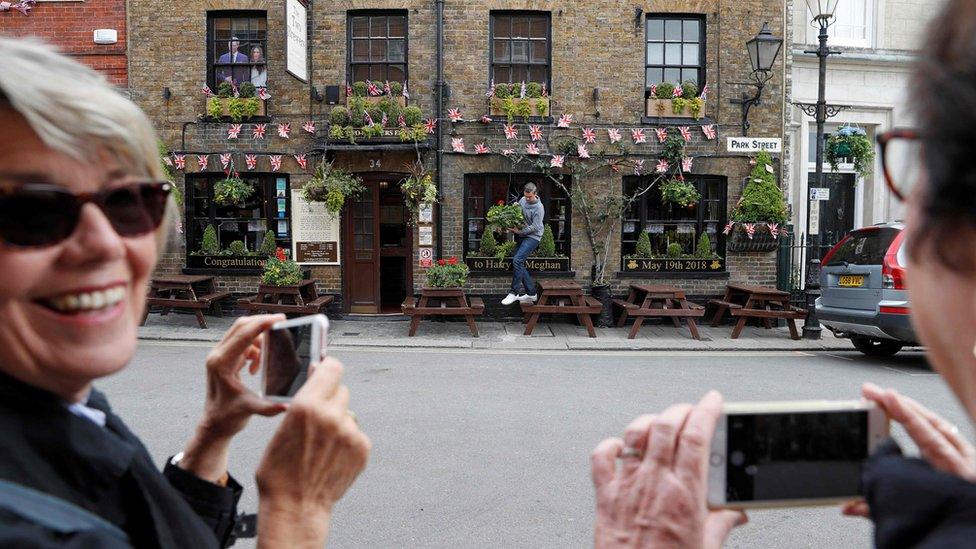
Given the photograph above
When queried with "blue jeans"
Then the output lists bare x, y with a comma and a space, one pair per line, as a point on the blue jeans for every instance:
520, 276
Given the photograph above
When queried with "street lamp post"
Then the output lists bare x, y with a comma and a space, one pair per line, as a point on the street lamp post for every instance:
823, 13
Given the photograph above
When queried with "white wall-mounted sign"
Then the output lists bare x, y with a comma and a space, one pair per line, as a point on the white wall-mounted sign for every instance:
815, 217
106, 36
819, 193
426, 214
426, 236
296, 43
315, 232
755, 144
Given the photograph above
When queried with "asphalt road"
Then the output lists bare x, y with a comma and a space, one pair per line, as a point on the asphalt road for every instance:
490, 449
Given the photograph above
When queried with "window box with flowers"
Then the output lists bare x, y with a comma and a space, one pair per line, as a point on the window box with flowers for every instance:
236, 104
677, 101
377, 118
519, 101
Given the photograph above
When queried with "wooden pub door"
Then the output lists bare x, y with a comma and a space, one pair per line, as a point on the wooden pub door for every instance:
377, 247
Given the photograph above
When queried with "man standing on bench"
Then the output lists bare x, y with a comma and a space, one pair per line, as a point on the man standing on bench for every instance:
527, 240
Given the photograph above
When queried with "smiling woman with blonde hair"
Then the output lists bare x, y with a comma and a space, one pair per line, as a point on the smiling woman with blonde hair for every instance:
82, 204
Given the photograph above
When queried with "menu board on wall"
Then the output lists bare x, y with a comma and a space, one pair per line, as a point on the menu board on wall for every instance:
315, 232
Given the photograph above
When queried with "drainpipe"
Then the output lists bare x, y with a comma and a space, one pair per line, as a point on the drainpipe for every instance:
440, 126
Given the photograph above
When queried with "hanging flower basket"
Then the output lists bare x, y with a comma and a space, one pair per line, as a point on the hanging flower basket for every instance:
232, 191
851, 144
760, 242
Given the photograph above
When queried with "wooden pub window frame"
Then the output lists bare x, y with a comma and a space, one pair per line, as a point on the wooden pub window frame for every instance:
702, 33
491, 43
350, 14
211, 40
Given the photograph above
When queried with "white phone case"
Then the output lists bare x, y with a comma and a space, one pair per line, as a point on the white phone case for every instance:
320, 330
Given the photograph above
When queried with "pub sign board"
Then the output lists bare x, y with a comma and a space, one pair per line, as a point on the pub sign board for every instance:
665, 265
505, 265
239, 262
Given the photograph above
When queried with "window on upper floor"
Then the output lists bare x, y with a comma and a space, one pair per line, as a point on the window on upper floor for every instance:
377, 46
237, 48
853, 25
521, 47
675, 50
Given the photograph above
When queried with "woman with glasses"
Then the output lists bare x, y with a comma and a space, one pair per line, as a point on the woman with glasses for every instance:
651, 484
82, 219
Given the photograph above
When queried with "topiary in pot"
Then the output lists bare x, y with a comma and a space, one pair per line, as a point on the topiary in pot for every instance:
502, 91
547, 244
247, 90
674, 250
209, 244
376, 114
396, 89
665, 90
339, 116
488, 246
413, 116
704, 249
357, 108
268, 244
761, 203
237, 247
225, 90
643, 248
359, 89
689, 90
533, 90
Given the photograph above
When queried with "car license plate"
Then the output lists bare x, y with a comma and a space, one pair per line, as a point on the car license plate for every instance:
851, 281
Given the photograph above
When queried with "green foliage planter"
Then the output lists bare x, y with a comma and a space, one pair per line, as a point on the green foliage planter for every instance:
279, 270
236, 108
501, 217
853, 144
447, 273
662, 101
509, 101
333, 186
232, 191
680, 193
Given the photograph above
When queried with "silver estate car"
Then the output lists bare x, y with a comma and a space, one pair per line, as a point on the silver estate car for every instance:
864, 298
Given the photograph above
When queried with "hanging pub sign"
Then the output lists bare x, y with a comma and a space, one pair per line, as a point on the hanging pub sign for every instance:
677, 265
296, 43
315, 232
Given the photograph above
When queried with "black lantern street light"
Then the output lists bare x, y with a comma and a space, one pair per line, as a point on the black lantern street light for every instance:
823, 15
763, 50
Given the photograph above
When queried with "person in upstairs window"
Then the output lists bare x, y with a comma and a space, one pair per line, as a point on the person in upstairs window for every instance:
228, 73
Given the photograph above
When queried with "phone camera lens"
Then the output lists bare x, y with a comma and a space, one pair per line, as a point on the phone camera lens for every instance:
737, 458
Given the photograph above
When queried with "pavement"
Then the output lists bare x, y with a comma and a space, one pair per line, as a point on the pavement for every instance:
391, 331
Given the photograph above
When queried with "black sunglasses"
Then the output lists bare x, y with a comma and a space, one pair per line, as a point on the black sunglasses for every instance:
35, 215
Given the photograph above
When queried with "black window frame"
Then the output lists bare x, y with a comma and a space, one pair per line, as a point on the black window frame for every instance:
211, 40
350, 64
491, 45
665, 17
268, 181
642, 206
516, 181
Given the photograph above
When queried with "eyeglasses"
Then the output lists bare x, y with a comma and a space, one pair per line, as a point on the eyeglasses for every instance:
901, 160
35, 215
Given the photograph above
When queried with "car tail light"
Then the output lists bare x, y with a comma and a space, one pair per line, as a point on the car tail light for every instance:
892, 272
894, 310
826, 258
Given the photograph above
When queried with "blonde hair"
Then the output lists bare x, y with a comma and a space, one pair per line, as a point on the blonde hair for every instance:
74, 110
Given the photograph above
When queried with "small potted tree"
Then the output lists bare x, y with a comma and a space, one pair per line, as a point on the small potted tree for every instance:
760, 211
519, 100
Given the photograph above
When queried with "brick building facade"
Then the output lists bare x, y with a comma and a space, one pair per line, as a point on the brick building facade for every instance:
70, 26
597, 62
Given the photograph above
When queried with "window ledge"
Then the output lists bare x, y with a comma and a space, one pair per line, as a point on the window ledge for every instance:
672, 275
676, 121
223, 272
535, 274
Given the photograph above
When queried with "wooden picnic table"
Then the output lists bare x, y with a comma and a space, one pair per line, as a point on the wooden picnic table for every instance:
747, 301
193, 292
647, 300
561, 297
295, 299
442, 302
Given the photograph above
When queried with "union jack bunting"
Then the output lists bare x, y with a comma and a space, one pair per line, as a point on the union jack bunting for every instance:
309, 127
531, 148
372, 89
384, 121
454, 115
545, 92
258, 131
750, 229
638, 135
263, 93
581, 151
167, 161
677, 91
638, 167
614, 166
535, 132
486, 119
704, 91
481, 148
302, 160
557, 161
511, 132
613, 134
662, 134
728, 227
685, 133
386, 88
773, 229
686, 164
251, 160
180, 161
430, 125
225, 161
508, 152
564, 121
207, 91
653, 91
491, 89
457, 144
589, 135
522, 92
284, 130
367, 119
406, 94
275, 162
233, 87
202, 161
709, 131
401, 121
662, 166
234, 130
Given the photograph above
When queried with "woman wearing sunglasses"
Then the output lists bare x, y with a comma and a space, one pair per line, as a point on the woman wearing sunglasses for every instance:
82, 210
651, 484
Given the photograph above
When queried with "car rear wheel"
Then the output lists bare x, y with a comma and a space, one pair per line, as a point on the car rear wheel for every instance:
876, 347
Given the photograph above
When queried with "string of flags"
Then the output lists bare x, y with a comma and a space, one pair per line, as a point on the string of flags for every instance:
23, 6
751, 228
227, 161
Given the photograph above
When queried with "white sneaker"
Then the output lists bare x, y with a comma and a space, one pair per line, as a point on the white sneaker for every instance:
528, 298
509, 299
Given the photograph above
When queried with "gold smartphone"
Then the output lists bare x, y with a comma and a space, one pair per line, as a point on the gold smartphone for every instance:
783, 454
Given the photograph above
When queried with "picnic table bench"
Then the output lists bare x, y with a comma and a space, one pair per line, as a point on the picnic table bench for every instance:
658, 301
561, 297
746, 301
442, 302
296, 299
196, 293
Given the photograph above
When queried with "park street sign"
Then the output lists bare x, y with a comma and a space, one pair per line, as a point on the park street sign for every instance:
755, 144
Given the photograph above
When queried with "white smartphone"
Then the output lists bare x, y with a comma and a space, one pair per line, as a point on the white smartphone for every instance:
290, 348
784, 454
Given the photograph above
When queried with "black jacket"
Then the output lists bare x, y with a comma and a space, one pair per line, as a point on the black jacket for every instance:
105, 470
913, 505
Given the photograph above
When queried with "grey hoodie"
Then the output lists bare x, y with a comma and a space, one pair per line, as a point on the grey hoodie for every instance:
534, 215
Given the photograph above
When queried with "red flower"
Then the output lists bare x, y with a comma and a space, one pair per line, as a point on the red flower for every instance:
501, 202
441, 262
452, 261
280, 254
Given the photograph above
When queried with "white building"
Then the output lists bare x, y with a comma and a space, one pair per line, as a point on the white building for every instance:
878, 39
